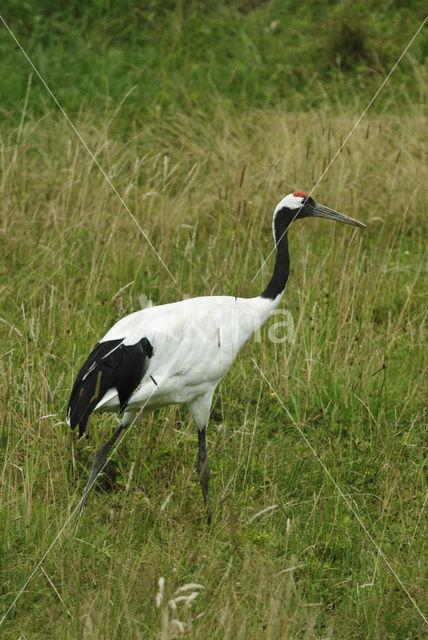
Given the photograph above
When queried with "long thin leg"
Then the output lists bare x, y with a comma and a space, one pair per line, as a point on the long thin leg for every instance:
203, 471
100, 460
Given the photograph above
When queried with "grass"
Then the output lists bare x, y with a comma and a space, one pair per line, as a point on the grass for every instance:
73, 262
178, 55
203, 118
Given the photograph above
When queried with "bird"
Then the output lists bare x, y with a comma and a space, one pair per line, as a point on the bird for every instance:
179, 352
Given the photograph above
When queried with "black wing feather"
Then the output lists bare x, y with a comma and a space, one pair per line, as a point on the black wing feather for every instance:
110, 364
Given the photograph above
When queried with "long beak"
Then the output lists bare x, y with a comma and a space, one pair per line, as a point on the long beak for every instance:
319, 211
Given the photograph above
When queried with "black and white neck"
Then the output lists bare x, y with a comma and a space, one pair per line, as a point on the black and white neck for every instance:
284, 214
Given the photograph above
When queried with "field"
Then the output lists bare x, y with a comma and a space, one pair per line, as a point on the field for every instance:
342, 363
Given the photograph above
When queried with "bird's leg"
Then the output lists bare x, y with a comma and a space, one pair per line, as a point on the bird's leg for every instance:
203, 471
100, 460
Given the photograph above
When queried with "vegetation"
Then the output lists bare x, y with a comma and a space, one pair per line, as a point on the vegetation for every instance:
284, 557
181, 55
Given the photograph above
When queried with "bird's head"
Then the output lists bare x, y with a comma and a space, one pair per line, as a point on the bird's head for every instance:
299, 205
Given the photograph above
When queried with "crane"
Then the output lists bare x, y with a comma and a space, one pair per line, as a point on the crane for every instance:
179, 352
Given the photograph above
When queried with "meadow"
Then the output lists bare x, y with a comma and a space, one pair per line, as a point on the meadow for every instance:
285, 557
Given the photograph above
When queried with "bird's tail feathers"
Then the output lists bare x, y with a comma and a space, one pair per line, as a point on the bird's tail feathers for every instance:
110, 364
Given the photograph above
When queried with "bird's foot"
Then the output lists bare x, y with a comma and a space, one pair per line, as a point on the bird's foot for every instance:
209, 515
100, 460
204, 476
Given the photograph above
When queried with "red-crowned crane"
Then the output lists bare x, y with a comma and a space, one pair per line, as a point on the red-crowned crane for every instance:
179, 352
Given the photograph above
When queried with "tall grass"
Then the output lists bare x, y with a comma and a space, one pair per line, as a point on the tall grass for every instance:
285, 558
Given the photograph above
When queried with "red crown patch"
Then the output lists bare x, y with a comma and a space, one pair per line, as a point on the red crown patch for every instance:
297, 194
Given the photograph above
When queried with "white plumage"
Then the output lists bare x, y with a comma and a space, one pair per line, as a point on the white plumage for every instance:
194, 343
